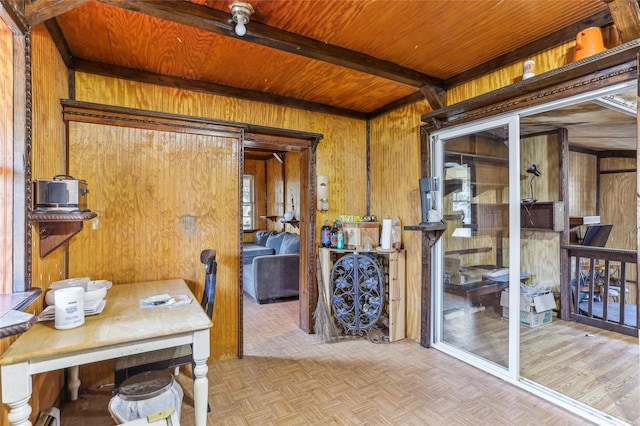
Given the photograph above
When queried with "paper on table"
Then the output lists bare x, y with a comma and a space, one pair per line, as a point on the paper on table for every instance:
14, 317
165, 300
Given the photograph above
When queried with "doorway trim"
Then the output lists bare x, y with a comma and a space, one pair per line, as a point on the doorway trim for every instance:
305, 144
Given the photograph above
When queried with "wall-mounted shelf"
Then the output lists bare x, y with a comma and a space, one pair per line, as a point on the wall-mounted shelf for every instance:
432, 230
295, 223
54, 229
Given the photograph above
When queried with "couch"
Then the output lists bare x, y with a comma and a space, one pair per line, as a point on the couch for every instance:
271, 266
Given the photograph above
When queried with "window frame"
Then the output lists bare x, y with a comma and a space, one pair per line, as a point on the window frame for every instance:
251, 203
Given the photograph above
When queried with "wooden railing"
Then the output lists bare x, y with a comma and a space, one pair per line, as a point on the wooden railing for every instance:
603, 287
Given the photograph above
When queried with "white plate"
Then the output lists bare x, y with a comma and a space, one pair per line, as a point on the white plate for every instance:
70, 282
107, 284
95, 291
49, 313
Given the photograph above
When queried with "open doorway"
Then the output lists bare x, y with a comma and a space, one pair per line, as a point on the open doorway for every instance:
281, 171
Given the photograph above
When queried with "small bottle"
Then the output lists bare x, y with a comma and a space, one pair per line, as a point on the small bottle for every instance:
326, 234
333, 242
340, 240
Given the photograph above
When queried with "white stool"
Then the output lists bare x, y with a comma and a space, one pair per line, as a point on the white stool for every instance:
144, 394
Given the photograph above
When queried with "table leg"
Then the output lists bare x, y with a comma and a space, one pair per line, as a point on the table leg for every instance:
74, 382
16, 392
200, 381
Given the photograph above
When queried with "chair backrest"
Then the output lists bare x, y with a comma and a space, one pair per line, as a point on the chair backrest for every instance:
208, 258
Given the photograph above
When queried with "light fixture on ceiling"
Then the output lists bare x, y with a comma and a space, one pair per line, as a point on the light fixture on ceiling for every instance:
241, 12
536, 173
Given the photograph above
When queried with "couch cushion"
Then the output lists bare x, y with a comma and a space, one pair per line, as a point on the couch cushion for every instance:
260, 237
290, 244
275, 241
251, 250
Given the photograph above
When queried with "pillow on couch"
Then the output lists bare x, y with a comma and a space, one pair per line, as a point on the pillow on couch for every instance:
274, 241
261, 237
290, 244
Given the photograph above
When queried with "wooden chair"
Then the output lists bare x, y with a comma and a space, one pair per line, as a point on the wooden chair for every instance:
175, 357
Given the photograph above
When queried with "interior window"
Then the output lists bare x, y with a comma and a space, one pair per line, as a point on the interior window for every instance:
248, 202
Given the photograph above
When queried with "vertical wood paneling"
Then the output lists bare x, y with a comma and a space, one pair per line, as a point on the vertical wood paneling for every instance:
292, 187
339, 152
50, 84
339, 155
6, 161
275, 193
395, 171
617, 206
160, 202
582, 181
543, 152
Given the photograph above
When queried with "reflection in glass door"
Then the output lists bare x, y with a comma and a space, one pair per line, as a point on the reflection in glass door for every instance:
475, 205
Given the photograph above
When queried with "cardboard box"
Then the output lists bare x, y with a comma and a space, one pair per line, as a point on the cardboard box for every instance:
357, 234
534, 310
530, 319
452, 271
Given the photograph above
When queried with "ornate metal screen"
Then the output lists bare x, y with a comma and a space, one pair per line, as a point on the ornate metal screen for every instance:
357, 292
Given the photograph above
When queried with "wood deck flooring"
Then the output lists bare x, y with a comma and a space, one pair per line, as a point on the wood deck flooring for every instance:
597, 367
290, 378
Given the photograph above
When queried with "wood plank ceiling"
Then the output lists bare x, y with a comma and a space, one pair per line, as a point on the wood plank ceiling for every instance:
356, 58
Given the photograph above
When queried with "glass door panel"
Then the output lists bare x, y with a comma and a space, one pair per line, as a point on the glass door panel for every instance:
584, 356
475, 204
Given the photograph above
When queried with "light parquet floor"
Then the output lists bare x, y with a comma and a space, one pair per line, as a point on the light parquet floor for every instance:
290, 378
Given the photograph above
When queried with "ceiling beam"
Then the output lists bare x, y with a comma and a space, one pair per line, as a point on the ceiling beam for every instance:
626, 16
39, 11
61, 43
213, 88
12, 15
218, 22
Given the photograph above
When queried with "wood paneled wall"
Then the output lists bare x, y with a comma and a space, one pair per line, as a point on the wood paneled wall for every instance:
275, 201
339, 154
292, 178
6, 160
582, 181
49, 85
395, 169
341, 135
49, 153
160, 202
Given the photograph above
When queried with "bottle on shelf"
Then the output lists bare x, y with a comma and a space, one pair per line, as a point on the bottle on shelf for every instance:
340, 240
333, 241
326, 234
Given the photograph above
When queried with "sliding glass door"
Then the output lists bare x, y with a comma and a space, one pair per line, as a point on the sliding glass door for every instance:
473, 296
520, 289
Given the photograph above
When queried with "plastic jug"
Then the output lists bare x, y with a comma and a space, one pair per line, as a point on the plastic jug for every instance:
588, 42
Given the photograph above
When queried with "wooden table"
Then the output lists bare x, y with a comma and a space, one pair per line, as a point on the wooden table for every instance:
123, 328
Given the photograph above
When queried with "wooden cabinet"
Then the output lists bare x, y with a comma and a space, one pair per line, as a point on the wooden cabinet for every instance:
394, 274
